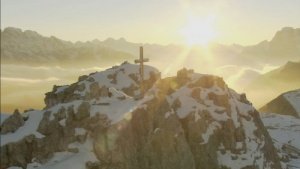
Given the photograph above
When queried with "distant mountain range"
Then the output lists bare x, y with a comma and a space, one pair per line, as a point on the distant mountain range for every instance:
284, 46
29, 47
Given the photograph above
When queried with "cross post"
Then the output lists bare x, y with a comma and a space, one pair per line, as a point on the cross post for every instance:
141, 62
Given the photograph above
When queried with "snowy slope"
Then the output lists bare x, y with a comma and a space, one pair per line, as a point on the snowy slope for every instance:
30, 127
294, 99
285, 132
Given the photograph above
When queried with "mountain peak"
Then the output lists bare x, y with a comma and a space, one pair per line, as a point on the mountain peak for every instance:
287, 34
287, 29
12, 30
179, 123
110, 40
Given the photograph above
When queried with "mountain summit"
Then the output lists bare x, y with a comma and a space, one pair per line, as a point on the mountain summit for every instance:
190, 121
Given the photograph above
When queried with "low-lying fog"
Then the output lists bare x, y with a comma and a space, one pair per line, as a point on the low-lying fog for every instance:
24, 87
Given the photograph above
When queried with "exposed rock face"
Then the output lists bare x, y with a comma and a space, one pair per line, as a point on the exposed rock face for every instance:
190, 121
285, 104
12, 123
153, 141
200, 123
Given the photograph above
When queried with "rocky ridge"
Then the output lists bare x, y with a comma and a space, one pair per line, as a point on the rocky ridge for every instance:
98, 122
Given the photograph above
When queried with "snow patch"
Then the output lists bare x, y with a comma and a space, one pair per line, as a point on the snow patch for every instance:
28, 128
294, 99
80, 131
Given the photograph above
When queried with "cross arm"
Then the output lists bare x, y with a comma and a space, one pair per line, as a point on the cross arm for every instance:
139, 61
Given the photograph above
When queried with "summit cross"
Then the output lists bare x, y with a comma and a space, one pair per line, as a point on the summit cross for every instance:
141, 62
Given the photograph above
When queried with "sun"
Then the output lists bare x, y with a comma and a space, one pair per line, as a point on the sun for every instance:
198, 31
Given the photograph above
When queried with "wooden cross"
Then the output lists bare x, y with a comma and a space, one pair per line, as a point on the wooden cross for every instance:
141, 62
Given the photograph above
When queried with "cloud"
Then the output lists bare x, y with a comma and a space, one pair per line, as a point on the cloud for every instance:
27, 80
92, 69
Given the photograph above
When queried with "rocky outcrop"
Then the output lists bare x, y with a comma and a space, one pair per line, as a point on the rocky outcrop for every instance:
153, 141
12, 123
198, 124
96, 85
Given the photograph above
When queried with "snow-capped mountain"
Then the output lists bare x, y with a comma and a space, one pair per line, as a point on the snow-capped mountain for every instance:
29, 47
285, 45
188, 121
34, 49
286, 104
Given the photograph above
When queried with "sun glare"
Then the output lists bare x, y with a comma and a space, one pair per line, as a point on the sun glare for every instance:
198, 31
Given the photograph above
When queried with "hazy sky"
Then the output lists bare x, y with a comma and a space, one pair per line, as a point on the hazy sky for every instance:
153, 21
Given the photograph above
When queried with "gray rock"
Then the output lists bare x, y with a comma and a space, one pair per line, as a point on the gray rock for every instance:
104, 91
142, 146
12, 123
95, 91
83, 111
92, 165
82, 78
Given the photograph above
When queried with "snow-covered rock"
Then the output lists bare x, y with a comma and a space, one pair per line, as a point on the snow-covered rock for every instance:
12, 123
121, 81
189, 121
71, 112
286, 104
211, 127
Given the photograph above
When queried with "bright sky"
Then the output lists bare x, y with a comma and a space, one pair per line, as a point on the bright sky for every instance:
157, 21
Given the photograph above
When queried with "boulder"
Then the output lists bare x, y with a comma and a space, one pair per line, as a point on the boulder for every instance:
83, 111
12, 123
